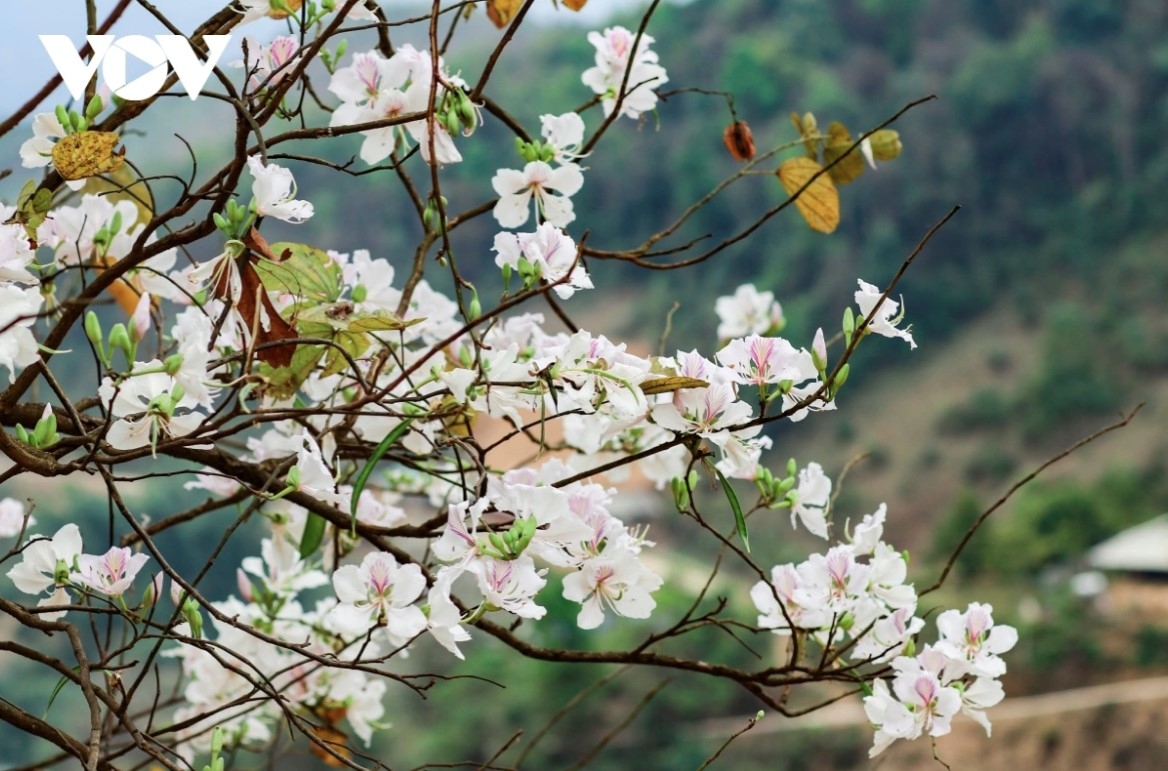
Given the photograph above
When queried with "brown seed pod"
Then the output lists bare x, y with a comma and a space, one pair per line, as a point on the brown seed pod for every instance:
739, 141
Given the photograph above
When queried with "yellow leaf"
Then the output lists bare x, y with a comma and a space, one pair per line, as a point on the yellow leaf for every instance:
809, 132
885, 144
819, 201
574, 5
838, 143
500, 12
664, 385
84, 154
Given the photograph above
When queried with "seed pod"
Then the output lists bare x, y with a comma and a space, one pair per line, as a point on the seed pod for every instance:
739, 141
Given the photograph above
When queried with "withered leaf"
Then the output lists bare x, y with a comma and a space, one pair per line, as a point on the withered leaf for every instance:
819, 201
664, 385
86, 153
839, 144
501, 12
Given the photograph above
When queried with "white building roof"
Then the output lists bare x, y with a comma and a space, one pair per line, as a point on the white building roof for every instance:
1141, 548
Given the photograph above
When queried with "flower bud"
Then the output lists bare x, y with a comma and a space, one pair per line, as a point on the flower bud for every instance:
119, 339
93, 109
243, 584
680, 493
819, 351
63, 117
885, 144
94, 332
739, 141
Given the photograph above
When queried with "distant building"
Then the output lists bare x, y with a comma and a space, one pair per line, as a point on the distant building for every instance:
1136, 563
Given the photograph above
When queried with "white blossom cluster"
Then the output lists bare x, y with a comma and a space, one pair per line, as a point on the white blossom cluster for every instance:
305, 618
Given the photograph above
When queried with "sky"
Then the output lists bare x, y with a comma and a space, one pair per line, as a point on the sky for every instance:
27, 66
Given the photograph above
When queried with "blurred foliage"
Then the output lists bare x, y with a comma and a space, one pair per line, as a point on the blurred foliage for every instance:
1050, 524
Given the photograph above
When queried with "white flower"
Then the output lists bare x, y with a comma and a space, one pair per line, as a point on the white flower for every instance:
15, 252
564, 133
46, 564
18, 312
12, 518
373, 88
766, 360
885, 321
149, 406
267, 65
809, 501
273, 192
922, 706
748, 312
517, 188
38, 151
615, 56
550, 252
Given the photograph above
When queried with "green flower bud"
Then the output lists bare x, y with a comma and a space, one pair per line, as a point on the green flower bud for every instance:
119, 340
93, 109
680, 493
359, 293
63, 117
45, 434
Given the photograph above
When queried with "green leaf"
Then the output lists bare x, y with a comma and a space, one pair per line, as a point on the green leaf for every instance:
379, 321
739, 517
383, 447
283, 381
350, 343
313, 535
302, 270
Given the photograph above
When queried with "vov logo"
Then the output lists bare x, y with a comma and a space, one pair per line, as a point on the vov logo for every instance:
109, 52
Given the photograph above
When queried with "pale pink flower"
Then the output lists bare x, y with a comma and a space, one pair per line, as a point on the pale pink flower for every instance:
111, 573
379, 592
972, 639
615, 56
615, 581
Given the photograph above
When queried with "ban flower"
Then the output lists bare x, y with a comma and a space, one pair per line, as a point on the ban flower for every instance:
46, 565
273, 192
379, 592
111, 573
886, 318
615, 581
616, 64
517, 189
972, 639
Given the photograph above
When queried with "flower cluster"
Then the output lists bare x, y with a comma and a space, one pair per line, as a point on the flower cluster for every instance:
341, 401
626, 70
56, 565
